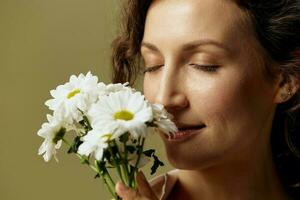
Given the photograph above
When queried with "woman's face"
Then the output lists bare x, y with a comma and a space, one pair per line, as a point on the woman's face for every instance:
202, 63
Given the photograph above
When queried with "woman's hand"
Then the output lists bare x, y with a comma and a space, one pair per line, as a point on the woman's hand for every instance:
144, 191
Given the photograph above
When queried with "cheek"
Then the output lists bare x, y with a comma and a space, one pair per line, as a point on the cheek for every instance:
233, 110
216, 95
235, 102
150, 88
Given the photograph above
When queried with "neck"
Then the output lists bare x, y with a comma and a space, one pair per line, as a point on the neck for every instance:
251, 176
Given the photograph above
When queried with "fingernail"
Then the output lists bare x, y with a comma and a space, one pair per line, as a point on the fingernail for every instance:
121, 187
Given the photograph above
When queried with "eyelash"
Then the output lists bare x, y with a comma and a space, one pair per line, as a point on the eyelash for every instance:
206, 68
152, 69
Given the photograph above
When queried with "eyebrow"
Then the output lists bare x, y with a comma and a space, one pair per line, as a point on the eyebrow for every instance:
191, 45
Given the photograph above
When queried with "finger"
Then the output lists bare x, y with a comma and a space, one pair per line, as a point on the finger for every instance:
144, 187
125, 192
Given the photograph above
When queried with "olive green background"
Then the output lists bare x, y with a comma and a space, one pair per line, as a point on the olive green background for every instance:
43, 42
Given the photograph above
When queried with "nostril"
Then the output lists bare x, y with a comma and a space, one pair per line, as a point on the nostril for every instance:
172, 100
175, 104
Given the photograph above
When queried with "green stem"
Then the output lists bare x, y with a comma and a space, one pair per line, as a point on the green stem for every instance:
66, 142
124, 162
126, 165
116, 164
109, 182
135, 169
105, 176
140, 153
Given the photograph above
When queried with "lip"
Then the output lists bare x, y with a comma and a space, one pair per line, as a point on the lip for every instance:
185, 133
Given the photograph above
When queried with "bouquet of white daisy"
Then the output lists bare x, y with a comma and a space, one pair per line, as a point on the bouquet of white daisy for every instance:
109, 125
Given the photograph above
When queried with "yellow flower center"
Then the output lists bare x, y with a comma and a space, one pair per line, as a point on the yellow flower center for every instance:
73, 93
124, 115
107, 136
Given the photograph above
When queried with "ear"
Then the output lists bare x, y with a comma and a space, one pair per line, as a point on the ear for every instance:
287, 88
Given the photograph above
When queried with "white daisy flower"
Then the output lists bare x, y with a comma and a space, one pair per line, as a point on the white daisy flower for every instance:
107, 89
53, 132
163, 119
121, 112
94, 142
79, 93
117, 87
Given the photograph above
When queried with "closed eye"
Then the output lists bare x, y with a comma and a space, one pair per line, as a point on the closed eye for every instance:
206, 68
152, 69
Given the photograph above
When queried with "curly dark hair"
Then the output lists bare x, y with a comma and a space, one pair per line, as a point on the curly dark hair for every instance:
276, 25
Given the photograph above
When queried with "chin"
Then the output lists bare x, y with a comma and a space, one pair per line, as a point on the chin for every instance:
186, 158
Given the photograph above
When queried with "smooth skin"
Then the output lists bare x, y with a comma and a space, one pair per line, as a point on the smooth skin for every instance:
203, 63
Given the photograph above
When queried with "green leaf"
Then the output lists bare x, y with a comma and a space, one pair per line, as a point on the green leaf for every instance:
97, 176
151, 124
87, 123
156, 164
114, 149
76, 143
134, 141
107, 156
125, 137
84, 160
139, 149
149, 152
114, 155
101, 166
81, 122
59, 135
130, 148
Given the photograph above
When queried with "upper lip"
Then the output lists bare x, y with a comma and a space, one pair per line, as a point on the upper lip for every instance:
182, 126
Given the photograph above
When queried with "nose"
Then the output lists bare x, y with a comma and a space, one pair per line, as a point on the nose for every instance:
171, 92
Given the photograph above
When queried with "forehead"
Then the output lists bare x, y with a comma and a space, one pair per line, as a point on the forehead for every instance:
170, 22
